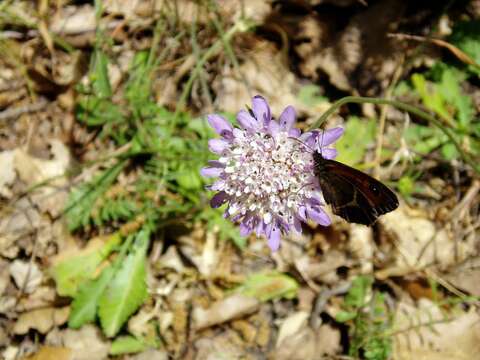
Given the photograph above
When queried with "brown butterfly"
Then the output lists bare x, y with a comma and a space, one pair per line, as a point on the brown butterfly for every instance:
353, 195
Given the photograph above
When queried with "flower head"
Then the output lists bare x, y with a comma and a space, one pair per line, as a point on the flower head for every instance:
265, 171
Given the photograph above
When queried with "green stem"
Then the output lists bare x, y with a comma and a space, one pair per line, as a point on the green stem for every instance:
402, 106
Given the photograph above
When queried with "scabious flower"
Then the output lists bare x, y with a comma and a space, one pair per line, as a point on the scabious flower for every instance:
265, 171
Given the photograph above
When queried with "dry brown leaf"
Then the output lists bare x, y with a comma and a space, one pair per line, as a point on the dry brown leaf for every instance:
18, 222
291, 325
361, 246
232, 307
465, 276
419, 243
73, 20
7, 173
51, 353
438, 339
86, 343
266, 74
150, 355
41, 320
299, 346
33, 171
27, 275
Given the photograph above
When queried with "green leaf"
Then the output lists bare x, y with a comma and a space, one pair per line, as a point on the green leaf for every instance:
466, 36
189, 178
84, 306
100, 80
358, 135
449, 151
344, 316
430, 96
81, 266
266, 286
127, 290
82, 199
310, 95
406, 185
127, 345
357, 294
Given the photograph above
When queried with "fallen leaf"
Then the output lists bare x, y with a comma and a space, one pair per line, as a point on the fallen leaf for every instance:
73, 20
232, 307
291, 325
299, 346
27, 275
51, 353
465, 276
51, 196
41, 320
426, 332
7, 173
85, 344
419, 243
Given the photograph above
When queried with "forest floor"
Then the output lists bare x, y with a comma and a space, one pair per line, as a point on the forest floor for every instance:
108, 245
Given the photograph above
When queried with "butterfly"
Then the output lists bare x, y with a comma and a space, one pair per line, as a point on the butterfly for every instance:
353, 195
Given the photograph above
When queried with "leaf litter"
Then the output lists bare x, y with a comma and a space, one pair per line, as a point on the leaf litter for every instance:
186, 290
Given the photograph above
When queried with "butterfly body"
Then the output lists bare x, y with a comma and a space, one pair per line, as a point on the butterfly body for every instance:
353, 195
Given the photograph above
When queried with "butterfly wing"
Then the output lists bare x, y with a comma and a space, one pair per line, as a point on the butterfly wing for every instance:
353, 195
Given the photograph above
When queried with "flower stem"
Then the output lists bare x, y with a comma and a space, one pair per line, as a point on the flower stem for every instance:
402, 106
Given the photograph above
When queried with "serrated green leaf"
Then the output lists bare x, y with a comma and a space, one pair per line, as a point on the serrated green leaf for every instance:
80, 266
127, 290
127, 345
82, 199
358, 292
84, 306
267, 286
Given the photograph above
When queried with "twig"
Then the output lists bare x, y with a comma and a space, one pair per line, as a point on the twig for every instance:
16, 112
383, 116
459, 54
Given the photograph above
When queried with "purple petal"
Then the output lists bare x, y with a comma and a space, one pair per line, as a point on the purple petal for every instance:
328, 153
293, 132
220, 124
219, 199
246, 228
261, 110
297, 225
217, 146
217, 185
246, 120
211, 171
330, 136
274, 238
318, 215
302, 213
310, 139
273, 128
287, 118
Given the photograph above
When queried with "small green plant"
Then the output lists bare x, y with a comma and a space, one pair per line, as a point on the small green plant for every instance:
161, 185
366, 314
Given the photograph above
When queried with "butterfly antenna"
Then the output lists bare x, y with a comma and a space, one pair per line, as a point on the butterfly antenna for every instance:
301, 142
